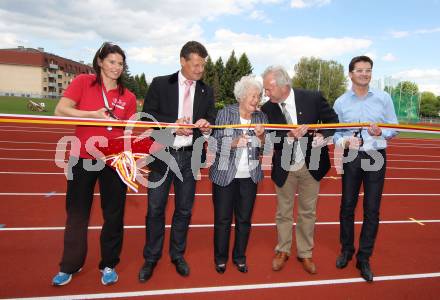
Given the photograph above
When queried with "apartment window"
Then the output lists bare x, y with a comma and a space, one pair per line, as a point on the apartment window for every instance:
45, 89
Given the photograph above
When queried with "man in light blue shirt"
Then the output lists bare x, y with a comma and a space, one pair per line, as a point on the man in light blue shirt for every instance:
364, 160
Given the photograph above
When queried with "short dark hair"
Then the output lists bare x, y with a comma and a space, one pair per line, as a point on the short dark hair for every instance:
193, 47
357, 59
106, 49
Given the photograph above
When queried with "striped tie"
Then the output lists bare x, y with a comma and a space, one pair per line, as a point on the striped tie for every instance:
286, 113
187, 103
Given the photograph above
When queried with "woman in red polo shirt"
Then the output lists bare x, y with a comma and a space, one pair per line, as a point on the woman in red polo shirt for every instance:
99, 96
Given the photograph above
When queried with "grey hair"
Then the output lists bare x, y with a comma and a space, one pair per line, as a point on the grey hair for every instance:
280, 74
242, 86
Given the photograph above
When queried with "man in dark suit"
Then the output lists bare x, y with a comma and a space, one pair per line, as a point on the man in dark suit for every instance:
309, 154
181, 97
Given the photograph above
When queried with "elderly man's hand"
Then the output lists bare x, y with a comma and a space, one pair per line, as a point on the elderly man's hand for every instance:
374, 130
259, 130
183, 131
203, 125
298, 132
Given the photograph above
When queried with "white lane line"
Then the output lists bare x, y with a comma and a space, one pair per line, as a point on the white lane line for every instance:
417, 221
23, 131
31, 149
32, 173
206, 176
414, 146
209, 194
30, 159
55, 228
63, 150
38, 143
412, 155
403, 168
243, 287
35, 127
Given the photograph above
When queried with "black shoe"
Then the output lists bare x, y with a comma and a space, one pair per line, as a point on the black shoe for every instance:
242, 268
364, 267
343, 259
181, 266
146, 271
220, 268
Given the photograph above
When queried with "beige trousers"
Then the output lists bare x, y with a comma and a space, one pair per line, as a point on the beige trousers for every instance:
308, 189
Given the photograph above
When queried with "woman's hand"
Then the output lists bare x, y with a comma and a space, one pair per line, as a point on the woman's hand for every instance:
240, 141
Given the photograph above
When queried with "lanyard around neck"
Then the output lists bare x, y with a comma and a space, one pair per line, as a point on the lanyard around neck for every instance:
107, 107
104, 97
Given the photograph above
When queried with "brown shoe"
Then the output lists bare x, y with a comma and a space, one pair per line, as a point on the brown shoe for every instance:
308, 265
279, 260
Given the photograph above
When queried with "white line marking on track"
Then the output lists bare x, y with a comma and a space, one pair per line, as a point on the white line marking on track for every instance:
209, 194
35, 131
38, 143
205, 176
244, 287
54, 228
417, 221
29, 149
35, 127
31, 159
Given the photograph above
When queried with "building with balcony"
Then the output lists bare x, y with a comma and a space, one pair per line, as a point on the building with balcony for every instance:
28, 72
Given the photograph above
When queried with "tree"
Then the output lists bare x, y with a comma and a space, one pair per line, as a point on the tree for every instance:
322, 75
219, 92
407, 87
130, 82
208, 75
143, 86
230, 76
429, 105
244, 66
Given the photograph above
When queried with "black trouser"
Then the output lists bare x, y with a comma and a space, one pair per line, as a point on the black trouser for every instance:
157, 201
373, 181
237, 198
79, 200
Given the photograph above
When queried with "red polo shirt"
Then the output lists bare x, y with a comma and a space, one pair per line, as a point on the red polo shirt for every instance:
89, 97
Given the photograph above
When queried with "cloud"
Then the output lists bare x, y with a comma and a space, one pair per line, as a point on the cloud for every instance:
371, 54
399, 34
426, 79
402, 34
8, 40
262, 50
308, 3
130, 21
389, 57
259, 15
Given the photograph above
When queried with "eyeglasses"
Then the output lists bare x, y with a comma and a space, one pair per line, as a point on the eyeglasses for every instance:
360, 71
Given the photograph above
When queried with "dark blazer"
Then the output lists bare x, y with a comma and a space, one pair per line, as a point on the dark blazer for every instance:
162, 102
224, 167
311, 108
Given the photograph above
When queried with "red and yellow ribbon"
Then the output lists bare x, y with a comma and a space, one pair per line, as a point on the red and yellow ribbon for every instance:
49, 120
125, 165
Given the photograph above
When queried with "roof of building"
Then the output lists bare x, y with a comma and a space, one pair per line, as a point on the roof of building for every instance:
38, 58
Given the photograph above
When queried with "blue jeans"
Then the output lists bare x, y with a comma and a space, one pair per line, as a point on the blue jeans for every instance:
157, 201
373, 182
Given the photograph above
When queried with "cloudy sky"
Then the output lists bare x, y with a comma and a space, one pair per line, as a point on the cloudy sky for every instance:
401, 36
